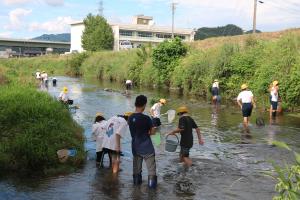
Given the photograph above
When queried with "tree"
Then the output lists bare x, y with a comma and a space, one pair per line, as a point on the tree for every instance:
228, 30
165, 58
97, 35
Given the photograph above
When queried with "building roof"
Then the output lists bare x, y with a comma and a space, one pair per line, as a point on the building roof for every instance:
32, 41
141, 27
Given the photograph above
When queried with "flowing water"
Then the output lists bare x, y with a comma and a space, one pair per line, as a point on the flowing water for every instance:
229, 166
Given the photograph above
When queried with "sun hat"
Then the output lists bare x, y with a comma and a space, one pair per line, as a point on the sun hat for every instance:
163, 101
244, 86
275, 83
182, 109
127, 114
99, 114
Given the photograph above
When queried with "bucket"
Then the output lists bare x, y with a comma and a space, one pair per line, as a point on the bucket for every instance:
171, 145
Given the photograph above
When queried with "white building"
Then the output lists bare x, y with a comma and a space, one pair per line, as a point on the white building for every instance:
141, 31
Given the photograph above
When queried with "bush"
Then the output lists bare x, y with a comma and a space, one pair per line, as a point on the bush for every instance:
165, 58
33, 127
74, 64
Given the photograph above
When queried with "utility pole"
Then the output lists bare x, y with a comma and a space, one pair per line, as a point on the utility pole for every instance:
101, 8
254, 17
254, 14
173, 14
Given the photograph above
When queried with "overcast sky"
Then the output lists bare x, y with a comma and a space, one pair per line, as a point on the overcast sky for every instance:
30, 18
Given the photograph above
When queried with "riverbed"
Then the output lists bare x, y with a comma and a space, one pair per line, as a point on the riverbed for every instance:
229, 165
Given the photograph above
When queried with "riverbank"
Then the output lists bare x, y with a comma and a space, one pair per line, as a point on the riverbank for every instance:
34, 126
256, 60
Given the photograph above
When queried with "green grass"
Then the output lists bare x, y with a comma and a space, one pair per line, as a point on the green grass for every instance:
33, 127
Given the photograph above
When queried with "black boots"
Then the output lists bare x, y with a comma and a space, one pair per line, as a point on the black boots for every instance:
152, 182
137, 179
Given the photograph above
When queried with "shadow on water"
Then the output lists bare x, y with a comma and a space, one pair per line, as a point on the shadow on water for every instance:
228, 166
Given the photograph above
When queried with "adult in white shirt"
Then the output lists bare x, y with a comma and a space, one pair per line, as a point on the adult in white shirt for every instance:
98, 131
274, 98
155, 112
116, 128
246, 102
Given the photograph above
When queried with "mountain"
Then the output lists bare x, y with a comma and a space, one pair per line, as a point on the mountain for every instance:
63, 37
228, 30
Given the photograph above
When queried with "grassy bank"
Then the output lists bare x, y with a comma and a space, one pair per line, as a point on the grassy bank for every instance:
34, 125
256, 61
233, 60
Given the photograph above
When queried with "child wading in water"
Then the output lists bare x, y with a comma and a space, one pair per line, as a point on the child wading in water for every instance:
185, 128
98, 131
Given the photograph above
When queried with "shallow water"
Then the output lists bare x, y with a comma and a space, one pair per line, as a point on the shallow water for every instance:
228, 166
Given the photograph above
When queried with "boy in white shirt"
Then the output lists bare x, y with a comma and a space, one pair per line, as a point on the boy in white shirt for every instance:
246, 102
116, 129
98, 131
155, 112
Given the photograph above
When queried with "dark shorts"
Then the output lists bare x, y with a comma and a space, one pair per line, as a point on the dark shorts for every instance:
274, 105
247, 109
128, 86
156, 122
215, 91
184, 151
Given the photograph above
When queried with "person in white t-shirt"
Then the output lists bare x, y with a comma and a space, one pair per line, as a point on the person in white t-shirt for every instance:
155, 112
274, 98
116, 128
215, 91
98, 131
128, 84
246, 102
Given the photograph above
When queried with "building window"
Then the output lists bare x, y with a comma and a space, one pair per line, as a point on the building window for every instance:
160, 35
180, 36
126, 33
145, 34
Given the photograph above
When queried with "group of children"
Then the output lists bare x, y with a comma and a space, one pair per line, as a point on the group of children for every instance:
108, 135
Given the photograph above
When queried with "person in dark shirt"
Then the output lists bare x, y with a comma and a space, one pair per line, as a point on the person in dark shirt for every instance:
185, 128
141, 128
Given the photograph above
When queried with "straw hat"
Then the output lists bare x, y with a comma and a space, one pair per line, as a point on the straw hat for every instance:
182, 109
127, 114
163, 101
244, 86
216, 80
99, 114
275, 83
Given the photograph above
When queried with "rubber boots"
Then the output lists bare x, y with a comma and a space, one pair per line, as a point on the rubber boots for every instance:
274, 114
137, 179
152, 182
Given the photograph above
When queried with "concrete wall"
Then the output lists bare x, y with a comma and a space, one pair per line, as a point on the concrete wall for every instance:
76, 33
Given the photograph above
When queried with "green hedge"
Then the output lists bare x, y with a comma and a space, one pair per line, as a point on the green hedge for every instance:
33, 127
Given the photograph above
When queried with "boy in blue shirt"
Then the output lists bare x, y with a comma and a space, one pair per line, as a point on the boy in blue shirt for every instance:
141, 128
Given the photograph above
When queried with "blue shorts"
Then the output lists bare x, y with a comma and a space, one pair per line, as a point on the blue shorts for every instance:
215, 91
156, 122
247, 109
274, 105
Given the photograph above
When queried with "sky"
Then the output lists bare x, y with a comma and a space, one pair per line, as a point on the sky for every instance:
31, 18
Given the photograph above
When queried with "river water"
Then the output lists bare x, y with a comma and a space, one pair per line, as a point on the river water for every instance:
229, 166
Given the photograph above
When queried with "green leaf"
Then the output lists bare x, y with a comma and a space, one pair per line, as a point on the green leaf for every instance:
297, 157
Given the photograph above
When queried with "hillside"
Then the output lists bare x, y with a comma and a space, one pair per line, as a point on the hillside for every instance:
63, 37
240, 39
